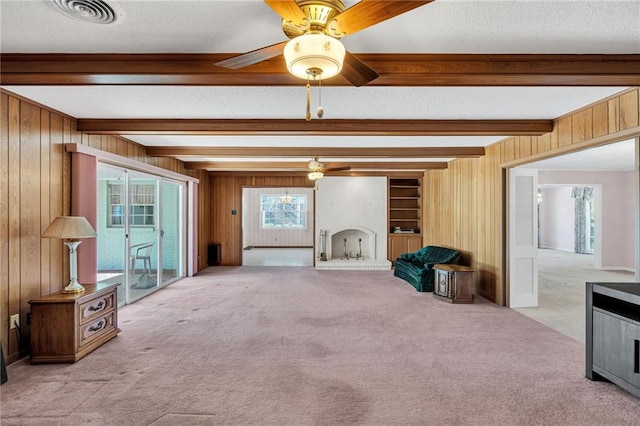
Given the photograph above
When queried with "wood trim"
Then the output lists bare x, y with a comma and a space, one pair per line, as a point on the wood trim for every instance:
118, 160
276, 247
394, 70
351, 127
412, 174
575, 147
302, 167
413, 152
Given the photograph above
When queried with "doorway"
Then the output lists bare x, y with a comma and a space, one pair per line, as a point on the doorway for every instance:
606, 221
278, 226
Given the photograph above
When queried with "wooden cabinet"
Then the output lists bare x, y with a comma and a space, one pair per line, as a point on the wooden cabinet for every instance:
399, 244
613, 334
404, 216
454, 283
66, 327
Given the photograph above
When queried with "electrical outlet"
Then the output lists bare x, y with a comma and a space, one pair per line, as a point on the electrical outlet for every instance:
14, 321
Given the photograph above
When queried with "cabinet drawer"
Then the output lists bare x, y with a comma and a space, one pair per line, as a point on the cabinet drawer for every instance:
96, 307
97, 327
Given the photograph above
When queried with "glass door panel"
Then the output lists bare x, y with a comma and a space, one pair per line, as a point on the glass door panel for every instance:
172, 231
143, 235
111, 229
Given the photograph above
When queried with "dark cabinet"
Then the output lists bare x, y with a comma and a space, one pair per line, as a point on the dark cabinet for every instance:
613, 334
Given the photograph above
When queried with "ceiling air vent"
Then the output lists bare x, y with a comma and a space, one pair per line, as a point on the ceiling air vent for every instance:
93, 11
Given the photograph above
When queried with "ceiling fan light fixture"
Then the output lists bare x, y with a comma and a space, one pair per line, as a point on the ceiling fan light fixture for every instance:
314, 50
315, 175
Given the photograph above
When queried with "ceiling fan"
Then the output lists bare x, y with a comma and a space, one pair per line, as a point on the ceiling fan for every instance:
315, 27
316, 170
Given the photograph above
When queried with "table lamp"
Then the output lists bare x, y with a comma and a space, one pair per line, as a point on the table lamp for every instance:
71, 229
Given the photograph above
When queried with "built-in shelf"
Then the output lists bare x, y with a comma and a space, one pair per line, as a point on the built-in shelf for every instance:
405, 212
404, 204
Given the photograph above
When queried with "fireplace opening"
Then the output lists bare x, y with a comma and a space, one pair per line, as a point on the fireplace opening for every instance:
353, 243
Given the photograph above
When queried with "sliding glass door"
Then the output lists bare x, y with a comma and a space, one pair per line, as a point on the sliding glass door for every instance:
172, 231
144, 229
111, 228
141, 231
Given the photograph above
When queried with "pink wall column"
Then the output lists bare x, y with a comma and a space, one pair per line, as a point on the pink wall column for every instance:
84, 200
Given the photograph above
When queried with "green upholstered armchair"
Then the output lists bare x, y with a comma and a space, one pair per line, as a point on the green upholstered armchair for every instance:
417, 268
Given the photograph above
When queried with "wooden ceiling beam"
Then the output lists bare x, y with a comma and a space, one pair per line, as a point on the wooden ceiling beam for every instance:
331, 127
310, 152
302, 167
394, 70
403, 174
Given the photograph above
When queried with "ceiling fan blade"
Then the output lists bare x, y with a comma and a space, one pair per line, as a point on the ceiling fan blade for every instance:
288, 10
370, 12
252, 57
354, 70
337, 169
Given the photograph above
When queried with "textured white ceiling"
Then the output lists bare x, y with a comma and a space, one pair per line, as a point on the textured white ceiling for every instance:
210, 26
444, 26
338, 102
617, 156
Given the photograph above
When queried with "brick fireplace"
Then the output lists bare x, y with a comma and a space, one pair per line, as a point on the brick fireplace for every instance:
355, 209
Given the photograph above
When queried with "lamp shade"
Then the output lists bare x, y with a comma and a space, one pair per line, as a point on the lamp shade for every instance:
314, 51
69, 228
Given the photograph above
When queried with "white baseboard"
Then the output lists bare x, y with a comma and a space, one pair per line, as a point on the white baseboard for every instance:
615, 268
556, 248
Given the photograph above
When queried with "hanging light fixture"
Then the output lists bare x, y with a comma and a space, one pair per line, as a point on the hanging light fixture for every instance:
315, 175
286, 198
314, 55
315, 170
314, 50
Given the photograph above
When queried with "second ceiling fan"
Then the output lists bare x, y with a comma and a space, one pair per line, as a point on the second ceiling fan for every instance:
316, 170
315, 28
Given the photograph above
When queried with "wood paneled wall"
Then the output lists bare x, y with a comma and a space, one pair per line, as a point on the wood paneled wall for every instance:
35, 188
226, 195
463, 206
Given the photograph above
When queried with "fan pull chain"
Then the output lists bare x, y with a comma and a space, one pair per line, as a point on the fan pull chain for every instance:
320, 110
308, 115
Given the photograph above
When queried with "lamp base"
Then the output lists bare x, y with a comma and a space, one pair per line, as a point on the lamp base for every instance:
73, 287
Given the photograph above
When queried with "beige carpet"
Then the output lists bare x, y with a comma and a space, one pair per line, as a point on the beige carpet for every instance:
562, 279
295, 346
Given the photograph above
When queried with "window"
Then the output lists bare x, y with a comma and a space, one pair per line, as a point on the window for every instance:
280, 212
141, 207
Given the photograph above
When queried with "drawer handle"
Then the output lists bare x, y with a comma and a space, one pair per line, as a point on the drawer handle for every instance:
97, 307
97, 327
636, 358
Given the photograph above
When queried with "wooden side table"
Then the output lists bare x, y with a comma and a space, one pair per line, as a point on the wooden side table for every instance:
67, 326
454, 283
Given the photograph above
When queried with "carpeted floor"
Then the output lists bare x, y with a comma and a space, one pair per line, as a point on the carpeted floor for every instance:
295, 346
561, 283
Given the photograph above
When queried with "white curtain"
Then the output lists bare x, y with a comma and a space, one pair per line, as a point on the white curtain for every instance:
582, 195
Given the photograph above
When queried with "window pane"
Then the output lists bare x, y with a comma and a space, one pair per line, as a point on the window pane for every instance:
278, 212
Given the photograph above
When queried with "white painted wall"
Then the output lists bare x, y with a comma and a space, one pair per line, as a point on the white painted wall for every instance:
617, 201
557, 219
254, 235
343, 202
